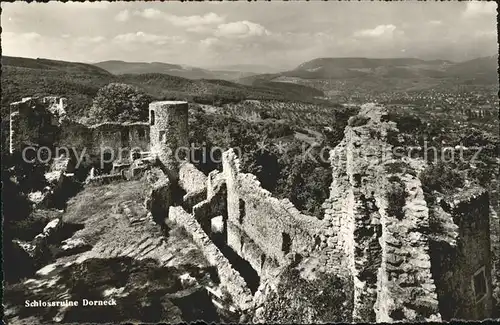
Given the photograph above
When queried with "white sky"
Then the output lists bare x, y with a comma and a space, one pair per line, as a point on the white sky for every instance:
281, 34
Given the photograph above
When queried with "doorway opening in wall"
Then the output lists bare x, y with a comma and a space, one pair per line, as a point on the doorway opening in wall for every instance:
286, 243
106, 165
242, 211
151, 117
124, 138
141, 134
479, 284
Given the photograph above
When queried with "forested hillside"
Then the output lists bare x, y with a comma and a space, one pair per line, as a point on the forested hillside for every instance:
80, 82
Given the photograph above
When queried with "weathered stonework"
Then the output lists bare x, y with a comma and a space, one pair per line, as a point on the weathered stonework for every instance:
231, 280
456, 262
274, 225
377, 231
120, 140
31, 124
387, 256
169, 134
193, 182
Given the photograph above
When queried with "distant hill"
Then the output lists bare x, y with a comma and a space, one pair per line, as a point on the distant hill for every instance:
484, 68
327, 73
54, 65
346, 68
364, 63
79, 82
253, 68
122, 67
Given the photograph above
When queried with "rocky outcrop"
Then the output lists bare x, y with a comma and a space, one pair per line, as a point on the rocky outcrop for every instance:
38, 249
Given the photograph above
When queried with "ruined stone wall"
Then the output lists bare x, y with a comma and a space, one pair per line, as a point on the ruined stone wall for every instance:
138, 136
191, 179
194, 182
119, 139
213, 206
375, 221
168, 132
30, 124
160, 197
35, 121
259, 226
456, 262
230, 279
76, 137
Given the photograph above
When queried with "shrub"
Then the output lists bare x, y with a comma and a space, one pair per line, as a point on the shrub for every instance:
440, 177
120, 102
326, 299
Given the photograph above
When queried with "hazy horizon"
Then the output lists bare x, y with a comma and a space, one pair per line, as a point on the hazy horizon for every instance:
276, 35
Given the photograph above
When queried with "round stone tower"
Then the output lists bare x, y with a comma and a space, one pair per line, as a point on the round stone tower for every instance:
168, 122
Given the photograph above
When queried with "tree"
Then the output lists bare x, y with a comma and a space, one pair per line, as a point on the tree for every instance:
119, 103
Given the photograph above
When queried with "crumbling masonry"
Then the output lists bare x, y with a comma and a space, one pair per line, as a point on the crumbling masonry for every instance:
378, 229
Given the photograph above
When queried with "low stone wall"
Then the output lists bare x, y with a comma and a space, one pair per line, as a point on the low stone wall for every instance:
105, 179
230, 278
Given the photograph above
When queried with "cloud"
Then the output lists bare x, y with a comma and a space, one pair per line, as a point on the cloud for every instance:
208, 42
241, 29
29, 36
150, 13
479, 8
182, 21
85, 40
486, 34
191, 21
435, 22
380, 30
141, 37
123, 16
87, 4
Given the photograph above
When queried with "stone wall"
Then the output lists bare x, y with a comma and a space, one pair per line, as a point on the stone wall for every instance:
213, 206
193, 181
104, 179
169, 131
457, 260
375, 220
230, 279
30, 124
37, 122
160, 198
261, 221
119, 139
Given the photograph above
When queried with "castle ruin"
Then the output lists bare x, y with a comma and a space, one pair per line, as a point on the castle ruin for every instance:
378, 229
